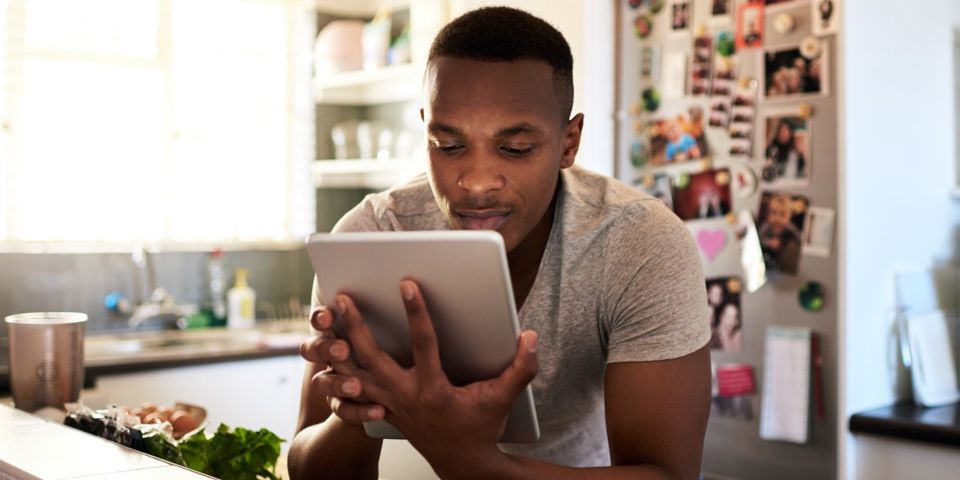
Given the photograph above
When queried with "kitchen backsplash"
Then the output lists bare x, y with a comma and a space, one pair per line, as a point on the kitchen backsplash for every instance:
79, 282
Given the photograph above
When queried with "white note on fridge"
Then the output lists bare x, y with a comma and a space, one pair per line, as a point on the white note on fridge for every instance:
785, 408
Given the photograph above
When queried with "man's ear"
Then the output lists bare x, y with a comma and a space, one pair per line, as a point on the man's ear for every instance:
571, 140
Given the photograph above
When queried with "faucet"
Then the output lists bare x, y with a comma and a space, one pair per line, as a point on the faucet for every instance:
153, 303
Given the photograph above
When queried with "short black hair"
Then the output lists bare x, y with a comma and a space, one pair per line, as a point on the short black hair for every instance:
508, 35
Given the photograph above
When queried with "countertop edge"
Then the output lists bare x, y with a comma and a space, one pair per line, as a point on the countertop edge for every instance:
899, 422
93, 371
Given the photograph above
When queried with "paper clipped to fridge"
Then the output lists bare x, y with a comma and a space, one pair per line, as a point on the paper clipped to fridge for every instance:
785, 409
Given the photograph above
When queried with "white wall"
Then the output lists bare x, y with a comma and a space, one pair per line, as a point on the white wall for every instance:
588, 28
897, 169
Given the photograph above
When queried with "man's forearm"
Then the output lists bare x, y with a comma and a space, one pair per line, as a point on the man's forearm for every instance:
333, 449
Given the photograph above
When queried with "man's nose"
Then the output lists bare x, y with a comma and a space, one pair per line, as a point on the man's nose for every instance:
481, 176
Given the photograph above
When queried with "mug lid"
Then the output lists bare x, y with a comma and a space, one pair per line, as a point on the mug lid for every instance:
47, 318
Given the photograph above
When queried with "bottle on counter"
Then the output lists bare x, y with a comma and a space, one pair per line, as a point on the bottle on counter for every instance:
241, 300
217, 285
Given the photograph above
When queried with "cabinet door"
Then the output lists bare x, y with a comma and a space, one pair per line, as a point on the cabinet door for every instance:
251, 393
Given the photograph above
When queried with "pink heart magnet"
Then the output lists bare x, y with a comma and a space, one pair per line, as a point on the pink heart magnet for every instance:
711, 242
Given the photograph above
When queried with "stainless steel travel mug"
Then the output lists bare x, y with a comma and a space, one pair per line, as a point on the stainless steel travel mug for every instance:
46, 358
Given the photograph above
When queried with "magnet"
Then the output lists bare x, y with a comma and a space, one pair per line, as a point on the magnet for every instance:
638, 126
638, 154
747, 82
636, 108
744, 182
642, 26
656, 5
784, 23
734, 285
711, 242
726, 46
681, 181
722, 178
805, 110
811, 296
635, 4
651, 99
769, 173
701, 30
810, 47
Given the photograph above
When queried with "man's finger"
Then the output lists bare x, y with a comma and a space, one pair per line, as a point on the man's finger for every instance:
423, 338
521, 371
324, 350
329, 384
366, 351
353, 412
321, 318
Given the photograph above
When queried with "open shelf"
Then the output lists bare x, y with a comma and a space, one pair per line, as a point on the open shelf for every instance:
358, 8
396, 83
364, 173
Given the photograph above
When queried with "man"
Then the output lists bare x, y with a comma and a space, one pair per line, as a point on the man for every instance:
608, 283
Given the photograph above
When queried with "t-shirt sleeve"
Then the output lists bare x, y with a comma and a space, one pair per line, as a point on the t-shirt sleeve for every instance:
655, 294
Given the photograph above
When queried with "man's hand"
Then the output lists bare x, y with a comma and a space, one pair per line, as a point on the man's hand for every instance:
338, 383
444, 422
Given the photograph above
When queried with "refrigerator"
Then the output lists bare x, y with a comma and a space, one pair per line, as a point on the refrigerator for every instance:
726, 110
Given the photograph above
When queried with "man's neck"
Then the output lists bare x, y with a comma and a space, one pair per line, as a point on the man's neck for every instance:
524, 260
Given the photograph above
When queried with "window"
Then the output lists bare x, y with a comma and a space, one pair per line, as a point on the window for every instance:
155, 120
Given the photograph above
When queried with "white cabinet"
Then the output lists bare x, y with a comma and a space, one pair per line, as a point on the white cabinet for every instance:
254, 394
879, 458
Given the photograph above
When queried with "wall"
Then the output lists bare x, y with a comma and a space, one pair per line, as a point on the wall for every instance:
897, 169
587, 28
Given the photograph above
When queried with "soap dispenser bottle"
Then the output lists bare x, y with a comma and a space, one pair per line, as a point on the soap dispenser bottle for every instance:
241, 300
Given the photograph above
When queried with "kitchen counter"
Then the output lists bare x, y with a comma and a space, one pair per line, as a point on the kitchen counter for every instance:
68, 453
907, 421
141, 351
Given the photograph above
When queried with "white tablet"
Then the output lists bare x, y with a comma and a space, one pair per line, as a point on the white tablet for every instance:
466, 285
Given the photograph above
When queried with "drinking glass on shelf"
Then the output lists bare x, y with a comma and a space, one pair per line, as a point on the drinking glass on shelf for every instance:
344, 136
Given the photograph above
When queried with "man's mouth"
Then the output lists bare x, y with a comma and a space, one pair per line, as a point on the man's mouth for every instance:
482, 219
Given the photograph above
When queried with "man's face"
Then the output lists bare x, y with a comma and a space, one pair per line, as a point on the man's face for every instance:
497, 140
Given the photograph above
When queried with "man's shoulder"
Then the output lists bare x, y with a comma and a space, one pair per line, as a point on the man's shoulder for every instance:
406, 206
599, 198
413, 197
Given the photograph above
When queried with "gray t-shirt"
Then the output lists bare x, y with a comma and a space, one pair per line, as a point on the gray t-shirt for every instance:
620, 281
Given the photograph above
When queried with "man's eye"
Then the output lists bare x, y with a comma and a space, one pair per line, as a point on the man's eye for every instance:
516, 151
446, 148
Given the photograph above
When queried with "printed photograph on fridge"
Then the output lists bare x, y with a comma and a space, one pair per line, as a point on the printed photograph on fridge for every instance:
786, 151
788, 73
702, 195
677, 138
780, 222
726, 324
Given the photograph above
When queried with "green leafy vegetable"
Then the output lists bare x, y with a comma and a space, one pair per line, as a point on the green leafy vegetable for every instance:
159, 445
240, 454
